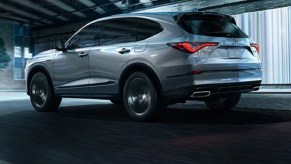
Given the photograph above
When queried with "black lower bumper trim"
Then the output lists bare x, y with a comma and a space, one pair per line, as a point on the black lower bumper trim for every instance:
240, 87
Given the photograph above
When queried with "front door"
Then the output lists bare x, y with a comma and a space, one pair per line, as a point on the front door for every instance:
71, 71
71, 68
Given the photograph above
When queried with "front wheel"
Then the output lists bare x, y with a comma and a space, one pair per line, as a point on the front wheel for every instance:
223, 102
41, 94
140, 97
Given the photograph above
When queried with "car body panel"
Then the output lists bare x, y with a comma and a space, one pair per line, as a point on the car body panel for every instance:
43, 60
71, 72
105, 66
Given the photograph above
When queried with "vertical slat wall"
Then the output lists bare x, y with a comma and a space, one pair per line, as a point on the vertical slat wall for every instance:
272, 30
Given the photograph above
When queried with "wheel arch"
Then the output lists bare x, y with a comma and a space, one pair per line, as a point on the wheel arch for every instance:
37, 69
139, 67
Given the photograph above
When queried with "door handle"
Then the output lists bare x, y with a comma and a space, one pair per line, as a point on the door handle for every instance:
124, 50
83, 54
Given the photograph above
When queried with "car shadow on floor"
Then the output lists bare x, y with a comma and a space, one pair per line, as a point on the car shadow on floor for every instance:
189, 114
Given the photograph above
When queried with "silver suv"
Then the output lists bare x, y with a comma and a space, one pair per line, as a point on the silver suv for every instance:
147, 61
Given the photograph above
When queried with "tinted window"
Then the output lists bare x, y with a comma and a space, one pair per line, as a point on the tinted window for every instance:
210, 25
147, 28
120, 30
88, 37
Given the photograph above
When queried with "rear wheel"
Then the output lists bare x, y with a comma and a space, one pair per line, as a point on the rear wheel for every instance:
41, 94
140, 97
223, 102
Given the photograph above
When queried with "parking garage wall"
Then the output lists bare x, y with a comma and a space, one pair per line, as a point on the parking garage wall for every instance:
272, 30
12, 77
44, 39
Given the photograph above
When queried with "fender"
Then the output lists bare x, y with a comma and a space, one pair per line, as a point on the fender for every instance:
38, 67
140, 65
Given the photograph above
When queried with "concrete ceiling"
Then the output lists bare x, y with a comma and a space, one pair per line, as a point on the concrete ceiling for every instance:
246, 6
42, 14
52, 13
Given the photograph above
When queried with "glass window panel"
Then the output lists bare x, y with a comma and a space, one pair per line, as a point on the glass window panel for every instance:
21, 49
147, 28
121, 30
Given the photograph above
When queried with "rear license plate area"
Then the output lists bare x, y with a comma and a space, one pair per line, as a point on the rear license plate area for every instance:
235, 53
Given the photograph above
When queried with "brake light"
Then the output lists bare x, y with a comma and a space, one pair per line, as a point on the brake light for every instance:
256, 46
190, 47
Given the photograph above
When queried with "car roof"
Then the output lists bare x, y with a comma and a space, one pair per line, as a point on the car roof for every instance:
158, 14
153, 15
166, 16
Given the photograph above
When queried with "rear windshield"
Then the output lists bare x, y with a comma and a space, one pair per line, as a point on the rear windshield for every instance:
210, 25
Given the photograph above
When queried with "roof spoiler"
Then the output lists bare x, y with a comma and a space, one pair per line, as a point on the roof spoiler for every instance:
230, 18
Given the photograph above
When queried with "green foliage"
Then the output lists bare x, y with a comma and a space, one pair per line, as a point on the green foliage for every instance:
4, 57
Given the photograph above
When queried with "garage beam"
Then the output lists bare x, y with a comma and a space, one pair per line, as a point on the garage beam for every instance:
23, 13
66, 7
31, 5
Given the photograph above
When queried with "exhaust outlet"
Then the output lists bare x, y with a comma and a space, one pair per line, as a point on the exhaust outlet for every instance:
256, 88
200, 94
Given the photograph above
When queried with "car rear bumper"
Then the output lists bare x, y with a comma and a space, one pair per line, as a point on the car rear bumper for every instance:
224, 77
216, 82
213, 89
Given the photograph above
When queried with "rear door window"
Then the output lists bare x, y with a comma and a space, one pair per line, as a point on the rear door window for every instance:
210, 25
147, 28
119, 30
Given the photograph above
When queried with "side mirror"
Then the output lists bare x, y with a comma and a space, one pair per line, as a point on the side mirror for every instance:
60, 46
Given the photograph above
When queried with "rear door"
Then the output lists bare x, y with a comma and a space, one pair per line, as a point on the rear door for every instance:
116, 42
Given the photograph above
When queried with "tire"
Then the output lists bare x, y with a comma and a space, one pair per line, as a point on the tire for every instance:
41, 94
116, 101
140, 97
223, 102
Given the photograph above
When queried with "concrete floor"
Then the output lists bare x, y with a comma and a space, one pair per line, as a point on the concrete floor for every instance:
95, 131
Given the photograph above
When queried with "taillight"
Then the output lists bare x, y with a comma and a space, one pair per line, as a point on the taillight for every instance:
191, 47
256, 46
